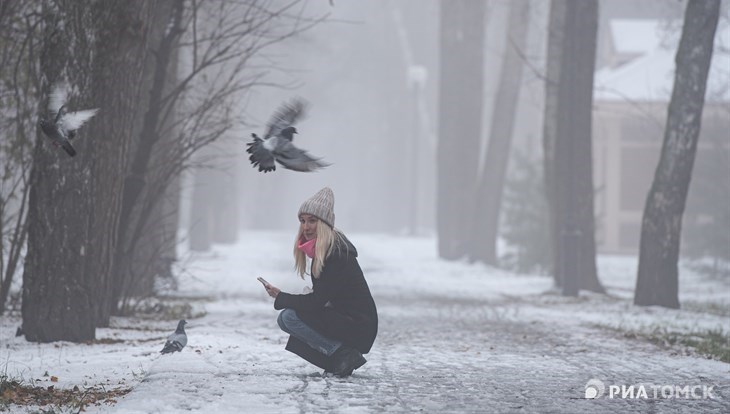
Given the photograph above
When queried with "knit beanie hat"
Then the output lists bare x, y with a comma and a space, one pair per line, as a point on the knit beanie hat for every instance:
321, 205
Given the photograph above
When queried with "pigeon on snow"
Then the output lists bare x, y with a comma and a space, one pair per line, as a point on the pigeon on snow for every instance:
62, 125
177, 340
276, 145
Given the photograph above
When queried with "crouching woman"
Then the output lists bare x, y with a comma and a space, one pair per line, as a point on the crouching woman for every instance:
337, 322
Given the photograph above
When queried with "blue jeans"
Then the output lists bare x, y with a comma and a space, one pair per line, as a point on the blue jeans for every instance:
290, 323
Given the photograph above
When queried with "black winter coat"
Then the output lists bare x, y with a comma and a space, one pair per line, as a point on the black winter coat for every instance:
339, 307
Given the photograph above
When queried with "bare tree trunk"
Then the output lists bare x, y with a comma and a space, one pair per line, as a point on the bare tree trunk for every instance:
137, 254
201, 221
225, 193
657, 282
74, 204
556, 32
170, 204
587, 31
58, 301
573, 175
460, 121
491, 183
170, 225
150, 134
121, 49
214, 216
225, 220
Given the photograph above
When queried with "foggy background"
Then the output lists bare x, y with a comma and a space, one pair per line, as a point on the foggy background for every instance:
370, 73
524, 135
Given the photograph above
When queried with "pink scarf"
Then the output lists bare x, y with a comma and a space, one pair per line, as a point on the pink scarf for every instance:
307, 246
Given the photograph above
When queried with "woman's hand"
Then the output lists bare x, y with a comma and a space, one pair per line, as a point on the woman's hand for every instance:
272, 290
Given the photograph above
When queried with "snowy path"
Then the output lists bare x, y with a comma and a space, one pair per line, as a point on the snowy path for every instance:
483, 342
443, 358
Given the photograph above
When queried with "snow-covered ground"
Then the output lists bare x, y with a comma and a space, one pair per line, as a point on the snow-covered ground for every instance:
454, 337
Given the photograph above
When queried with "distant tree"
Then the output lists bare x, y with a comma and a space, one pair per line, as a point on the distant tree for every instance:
19, 40
214, 206
556, 31
201, 216
460, 122
136, 251
485, 230
658, 281
572, 182
525, 220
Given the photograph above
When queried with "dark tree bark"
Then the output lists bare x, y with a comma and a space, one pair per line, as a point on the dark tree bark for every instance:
161, 239
657, 282
121, 48
572, 168
491, 183
460, 121
74, 203
58, 301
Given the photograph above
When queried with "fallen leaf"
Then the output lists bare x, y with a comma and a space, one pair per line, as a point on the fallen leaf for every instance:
54, 378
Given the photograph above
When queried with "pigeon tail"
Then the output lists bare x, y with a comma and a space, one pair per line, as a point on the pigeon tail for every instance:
303, 164
68, 148
260, 156
296, 159
171, 347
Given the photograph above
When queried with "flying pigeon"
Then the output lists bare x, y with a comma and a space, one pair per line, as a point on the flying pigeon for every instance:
62, 125
277, 142
177, 340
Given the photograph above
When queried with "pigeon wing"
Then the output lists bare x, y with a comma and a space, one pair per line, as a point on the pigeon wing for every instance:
296, 159
74, 120
287, 115
260, 156
57, 97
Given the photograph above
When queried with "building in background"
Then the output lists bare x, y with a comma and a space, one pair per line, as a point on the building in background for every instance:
631, 99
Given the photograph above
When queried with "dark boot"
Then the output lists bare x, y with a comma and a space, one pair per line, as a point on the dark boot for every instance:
345, 360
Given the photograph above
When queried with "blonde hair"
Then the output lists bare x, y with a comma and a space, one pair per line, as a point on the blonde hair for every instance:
327, 239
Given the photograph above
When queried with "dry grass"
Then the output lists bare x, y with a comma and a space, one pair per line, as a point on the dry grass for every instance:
55, 400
